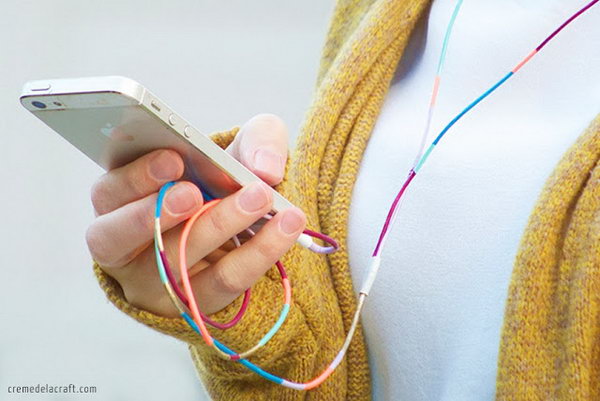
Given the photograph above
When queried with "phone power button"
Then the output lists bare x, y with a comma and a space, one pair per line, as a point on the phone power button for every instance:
41, 88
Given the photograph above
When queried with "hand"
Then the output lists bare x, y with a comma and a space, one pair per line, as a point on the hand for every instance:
121, 237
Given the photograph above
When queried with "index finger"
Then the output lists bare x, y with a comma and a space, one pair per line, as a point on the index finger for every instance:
136, 180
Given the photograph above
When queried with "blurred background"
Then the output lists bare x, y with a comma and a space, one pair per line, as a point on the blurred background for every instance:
215, 63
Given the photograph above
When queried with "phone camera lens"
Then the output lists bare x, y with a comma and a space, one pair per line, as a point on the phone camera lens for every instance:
39, 105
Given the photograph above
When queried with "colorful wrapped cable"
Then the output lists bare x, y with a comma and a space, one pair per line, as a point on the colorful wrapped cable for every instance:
179, 299
392, 213
422, 158
169, 281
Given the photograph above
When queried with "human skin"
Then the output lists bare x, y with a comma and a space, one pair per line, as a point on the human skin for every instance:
120, 238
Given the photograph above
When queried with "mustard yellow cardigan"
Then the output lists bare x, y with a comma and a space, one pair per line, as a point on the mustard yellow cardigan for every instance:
550, 344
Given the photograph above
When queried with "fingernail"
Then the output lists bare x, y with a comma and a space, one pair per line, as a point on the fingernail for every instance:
268, 161
291, 222
163, 167
181, 199
254, 197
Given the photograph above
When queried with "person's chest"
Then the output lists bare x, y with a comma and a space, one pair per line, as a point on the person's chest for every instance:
434, 315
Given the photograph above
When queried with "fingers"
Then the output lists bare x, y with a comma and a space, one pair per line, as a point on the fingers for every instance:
124, 199
218, 285
262, 146
115, 238
215, 227
232, 215
136, 180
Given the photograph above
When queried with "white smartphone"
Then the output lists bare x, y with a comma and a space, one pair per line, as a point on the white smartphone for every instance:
115, 120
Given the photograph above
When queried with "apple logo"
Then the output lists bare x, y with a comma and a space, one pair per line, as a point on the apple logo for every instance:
115, 133
107, 130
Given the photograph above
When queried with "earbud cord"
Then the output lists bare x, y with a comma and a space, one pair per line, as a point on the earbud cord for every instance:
392, 214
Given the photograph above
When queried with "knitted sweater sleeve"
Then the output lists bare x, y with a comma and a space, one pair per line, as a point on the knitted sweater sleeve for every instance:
285, 354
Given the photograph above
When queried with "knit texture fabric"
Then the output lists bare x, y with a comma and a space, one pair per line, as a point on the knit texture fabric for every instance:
550, 348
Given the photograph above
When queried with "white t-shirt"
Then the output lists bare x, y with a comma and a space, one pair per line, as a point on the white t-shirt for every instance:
434, 316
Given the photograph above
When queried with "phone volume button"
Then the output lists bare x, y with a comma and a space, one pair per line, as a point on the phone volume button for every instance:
187, 131
172, 119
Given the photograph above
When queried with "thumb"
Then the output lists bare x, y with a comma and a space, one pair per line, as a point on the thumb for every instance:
262, 146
